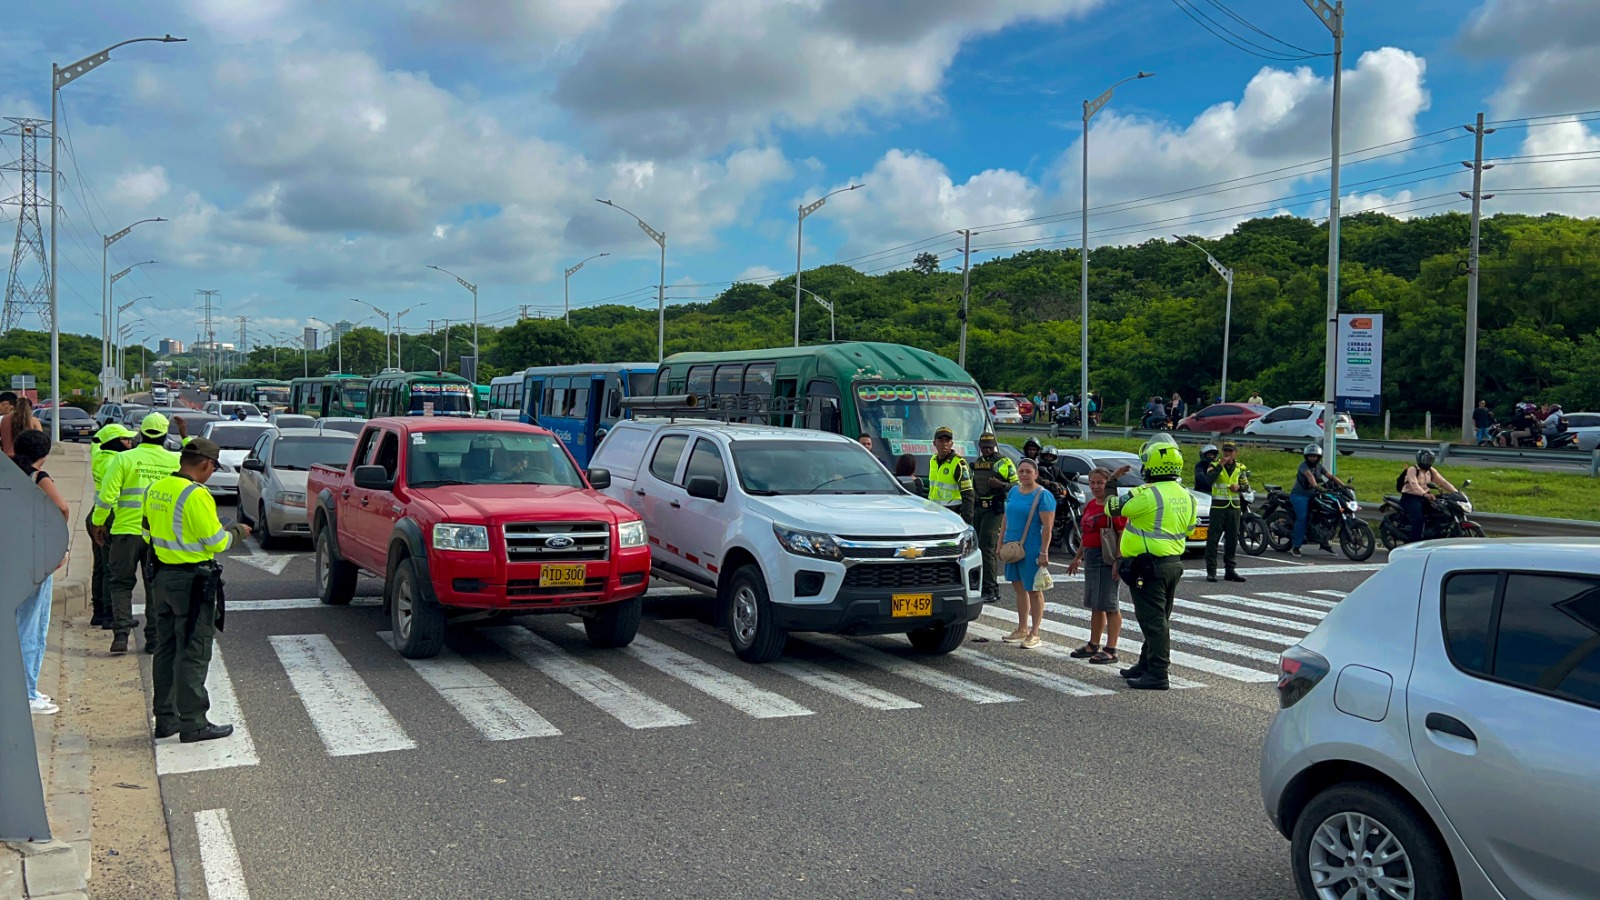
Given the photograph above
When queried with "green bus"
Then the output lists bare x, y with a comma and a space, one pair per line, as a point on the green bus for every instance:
896, 394
266, 393
329, 395
421, 394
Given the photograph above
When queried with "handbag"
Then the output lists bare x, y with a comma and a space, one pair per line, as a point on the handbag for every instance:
1011, 551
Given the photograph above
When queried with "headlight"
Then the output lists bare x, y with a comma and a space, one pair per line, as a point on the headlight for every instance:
969, 541
807, 543
1466, 505
292, 498
631, 534
1352, 505
460, 537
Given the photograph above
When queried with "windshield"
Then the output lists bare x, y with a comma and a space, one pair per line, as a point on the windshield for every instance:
72, 412
435, 399
768, 468
277, 396
346, 426
901, 418
1113, 463
1003, 403
300, 453
236, 437
294, 422
354, 397
232, 409
641, 384
488, 457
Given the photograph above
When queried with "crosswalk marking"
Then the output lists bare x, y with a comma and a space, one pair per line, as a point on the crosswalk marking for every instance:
1129, 648
1181, 637
911, 670
1337, 595
613, 696
1300, 598
739, 693
346, 714
841, 686
219, 856
1256, 634
1059, 683
173, 756
1047, 649
1228, 612
1314, 614
490, 708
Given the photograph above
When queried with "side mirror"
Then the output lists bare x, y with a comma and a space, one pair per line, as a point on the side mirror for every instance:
255, 465
372, 478
599, 479
705, 488
1083, 480
1466, 484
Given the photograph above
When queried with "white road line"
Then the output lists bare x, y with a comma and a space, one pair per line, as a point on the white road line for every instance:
611, 695
174, 757
1316, 615
739, 693
314, 603
1244, 631
219, 858
1053, 651
1337, 595
910, 669
490, 708
1301, 569
1183, 637
842, 686
1229, 612
1128, 648
347, 715
1059, 683
1301, 598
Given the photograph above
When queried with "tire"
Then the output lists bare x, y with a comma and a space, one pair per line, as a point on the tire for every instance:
1237, 429
1183, 428
1254, 535
1347, 453
1475, 531
937, 640
1389, 533
755, 637
415, 618
1423, 858
336, 579
263, 531
1357, 541
1280, 530
615, 624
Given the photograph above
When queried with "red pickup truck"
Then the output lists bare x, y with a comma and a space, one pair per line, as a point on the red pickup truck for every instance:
479, 518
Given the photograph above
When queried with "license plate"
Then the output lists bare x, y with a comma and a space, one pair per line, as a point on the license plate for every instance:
1199, 534
906, 606
562, 576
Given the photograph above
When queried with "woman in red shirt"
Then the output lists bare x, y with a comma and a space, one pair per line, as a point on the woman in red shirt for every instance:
1098, 557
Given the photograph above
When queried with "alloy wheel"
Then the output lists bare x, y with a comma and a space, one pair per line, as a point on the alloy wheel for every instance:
1353, 855
403, 608
745, 615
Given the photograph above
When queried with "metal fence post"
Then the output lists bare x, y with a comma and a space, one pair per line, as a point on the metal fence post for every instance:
1386, 424
1427, 425
1594, 462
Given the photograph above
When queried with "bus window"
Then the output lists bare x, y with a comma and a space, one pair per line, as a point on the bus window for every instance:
699, 380
643, 384
758, 379
555, 396
578, 401
785, 394
730, 380
613, 405
822, 406
534, 400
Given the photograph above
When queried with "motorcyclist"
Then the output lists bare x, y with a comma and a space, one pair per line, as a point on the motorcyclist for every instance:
1155, 413
1310, 480
1555, 422
1415, 497
1031, 448
1522, 425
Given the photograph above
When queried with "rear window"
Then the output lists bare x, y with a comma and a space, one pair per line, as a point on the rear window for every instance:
1533, 630
622, 451
664, 465
301, 453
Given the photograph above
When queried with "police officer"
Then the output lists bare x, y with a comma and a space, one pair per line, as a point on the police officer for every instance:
1160, 515
949, 477
186, 536
122, 490
108, 442
1224, 479
992, 476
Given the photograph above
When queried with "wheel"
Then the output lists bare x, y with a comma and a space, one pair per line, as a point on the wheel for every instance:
614, 624
1183, 428
336, 579
1357, 541
1361, 839
1237, 429
1474, 531
1390, 534
1280, 530
1254, 537
263, 530
1347, 453
755, 637
415, 617
937, 640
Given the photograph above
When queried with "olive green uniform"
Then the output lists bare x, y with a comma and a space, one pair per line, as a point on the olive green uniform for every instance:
185, 535
990, 513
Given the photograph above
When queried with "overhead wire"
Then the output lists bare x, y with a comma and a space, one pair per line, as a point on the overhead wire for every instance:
1235, 40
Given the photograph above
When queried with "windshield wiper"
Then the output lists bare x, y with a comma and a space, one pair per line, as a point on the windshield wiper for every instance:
838, 480
435, 482
758, 492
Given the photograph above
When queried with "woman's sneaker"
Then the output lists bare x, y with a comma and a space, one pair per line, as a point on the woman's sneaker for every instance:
43, 707
1016, 637
1030, 642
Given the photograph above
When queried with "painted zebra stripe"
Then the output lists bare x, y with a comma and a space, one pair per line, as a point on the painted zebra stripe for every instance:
173, 757
1229, 612
610, 694
1129, 648
346, 714
488, 707
1337, 595
911, 670
1244, 631
1047, 649
219, 857
1318, 602
1058, 683
1183, 637
1315, 615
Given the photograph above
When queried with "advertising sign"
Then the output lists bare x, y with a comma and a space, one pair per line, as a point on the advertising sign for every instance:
1359, 359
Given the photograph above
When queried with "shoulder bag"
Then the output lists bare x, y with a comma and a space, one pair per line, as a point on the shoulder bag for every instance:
1011, 551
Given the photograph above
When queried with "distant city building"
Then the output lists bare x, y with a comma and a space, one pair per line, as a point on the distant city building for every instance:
342, 327
310, 338
170, 346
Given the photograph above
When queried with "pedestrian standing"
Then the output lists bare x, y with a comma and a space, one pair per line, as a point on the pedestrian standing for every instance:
108, 442
186, 536
992, 477
1097, 554
1054, 400
1482, 418
1225, 480
1160, 515
1030, 514
949, 476
33, 616
18, 419
1040, 414
1176, 409
122, 491
1255, 399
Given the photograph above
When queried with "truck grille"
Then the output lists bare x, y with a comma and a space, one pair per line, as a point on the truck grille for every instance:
905, 575
546, 542
528, 589
949, 552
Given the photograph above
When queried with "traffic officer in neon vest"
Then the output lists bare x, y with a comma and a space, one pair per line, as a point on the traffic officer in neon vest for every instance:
1225, 480
949, 476
180, 519
1160, 515
108, 442
122, 491
992, 477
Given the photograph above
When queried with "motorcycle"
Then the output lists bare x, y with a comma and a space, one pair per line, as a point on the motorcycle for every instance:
1501, 434
1561, 440
1154, 421
1253, 526
1447, 517
1061, 419
1067, 533
1332, 514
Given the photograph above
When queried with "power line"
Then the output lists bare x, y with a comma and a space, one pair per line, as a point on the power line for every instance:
1238, 41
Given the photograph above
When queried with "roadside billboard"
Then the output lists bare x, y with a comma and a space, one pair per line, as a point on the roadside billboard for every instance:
1359, 359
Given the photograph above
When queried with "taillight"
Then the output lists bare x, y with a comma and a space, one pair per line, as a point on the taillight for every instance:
1319, 421
1299, 670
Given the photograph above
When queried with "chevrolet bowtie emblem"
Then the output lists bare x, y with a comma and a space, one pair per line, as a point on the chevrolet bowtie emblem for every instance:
910, 553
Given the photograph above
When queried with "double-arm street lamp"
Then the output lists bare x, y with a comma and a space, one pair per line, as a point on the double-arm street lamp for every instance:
106, 240
119, 360
660, 237
806, 209
566, 285
474, 289
387, 329
827, 304
1227, 312
115, 317
400, 360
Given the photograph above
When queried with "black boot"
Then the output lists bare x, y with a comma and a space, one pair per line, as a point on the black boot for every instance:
119, 642
1148, 682
1235, 576
1211, 576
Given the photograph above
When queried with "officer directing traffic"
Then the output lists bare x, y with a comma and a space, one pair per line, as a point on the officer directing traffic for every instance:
1225, 480
181, 521
1160, 515
949, 477
992, 477
108, 442
122, 491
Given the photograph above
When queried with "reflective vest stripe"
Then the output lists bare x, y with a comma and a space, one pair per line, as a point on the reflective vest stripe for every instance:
1221, 489
217, 542
101, 504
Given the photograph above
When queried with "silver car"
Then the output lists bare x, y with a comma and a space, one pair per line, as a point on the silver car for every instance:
235, 440
281, 420
338, 424
272, 480
1437, 731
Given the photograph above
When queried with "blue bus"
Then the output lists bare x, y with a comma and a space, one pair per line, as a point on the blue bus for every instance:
581, 403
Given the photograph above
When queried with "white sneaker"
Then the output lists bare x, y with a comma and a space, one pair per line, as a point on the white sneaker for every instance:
43, 707
44, 697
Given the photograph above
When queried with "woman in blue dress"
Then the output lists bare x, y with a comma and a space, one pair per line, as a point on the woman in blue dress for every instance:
1023, 522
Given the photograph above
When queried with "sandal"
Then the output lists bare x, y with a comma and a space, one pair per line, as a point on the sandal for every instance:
1086, 651
1104, 657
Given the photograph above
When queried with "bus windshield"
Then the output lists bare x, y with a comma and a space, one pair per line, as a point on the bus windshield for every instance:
441, 399
488, 457
902, 417
274, 396
354, 397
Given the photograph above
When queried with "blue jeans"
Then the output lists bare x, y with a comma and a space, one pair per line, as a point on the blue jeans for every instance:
33, 622
1483, 435
1302, 512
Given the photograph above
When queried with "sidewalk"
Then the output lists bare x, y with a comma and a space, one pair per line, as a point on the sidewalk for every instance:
95, 756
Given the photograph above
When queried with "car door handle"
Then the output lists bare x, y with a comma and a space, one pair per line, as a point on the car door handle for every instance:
677, 505
1449, 725
639, 491
345, 494
365, 500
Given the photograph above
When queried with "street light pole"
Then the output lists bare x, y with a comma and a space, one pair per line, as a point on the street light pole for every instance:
385, 328
1227, 315
106, 241
119, 353
400, 360
806, 209
1090, 107
336, 339
966, 292
474, 289
1332, 16
566, 286
112, 300
828, 305
660, 237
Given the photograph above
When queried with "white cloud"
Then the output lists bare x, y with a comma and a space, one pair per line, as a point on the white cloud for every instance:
513, 23
249, 21
140, 187
759, 275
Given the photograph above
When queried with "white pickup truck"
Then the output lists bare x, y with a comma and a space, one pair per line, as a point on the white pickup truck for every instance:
794, 530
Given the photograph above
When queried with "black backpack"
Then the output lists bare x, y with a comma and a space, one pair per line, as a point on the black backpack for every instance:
1400, 480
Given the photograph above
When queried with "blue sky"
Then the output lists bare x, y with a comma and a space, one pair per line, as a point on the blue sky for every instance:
306, 156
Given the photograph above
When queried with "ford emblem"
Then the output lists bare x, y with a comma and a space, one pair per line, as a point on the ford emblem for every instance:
559, 542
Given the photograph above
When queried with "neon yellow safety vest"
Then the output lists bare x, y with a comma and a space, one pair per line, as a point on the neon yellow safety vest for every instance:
124, 481
99, 460
946, 480
1160, 517
181, 522
1221, 493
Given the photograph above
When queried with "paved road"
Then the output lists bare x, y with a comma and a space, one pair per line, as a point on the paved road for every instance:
525, 763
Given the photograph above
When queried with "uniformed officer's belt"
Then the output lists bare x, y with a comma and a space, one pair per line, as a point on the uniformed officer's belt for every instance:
181, 567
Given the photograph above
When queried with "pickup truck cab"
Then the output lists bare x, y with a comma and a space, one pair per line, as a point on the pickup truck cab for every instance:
471, 517
794, 530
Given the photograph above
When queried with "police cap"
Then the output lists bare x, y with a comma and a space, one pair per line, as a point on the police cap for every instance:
201, 447
943, 431
987, 438
1229, 445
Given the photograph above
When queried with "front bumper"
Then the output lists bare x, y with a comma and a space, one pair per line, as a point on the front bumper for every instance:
223, 484
288, 520
482, 581
858, 598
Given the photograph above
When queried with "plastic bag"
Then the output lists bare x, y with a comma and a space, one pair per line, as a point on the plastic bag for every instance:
1042, 580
